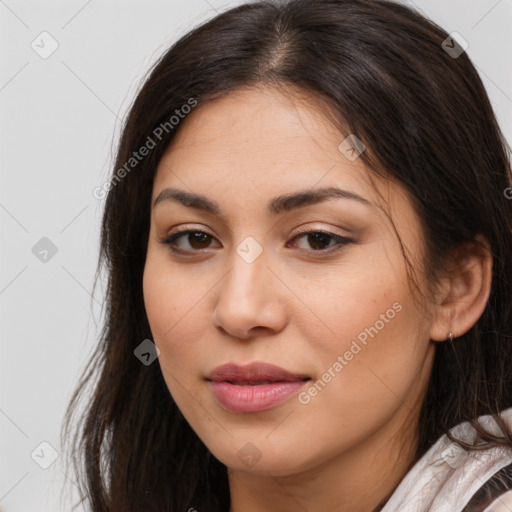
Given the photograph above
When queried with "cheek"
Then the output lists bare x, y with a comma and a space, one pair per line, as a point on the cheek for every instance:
167, 297
352, 298
176, 317
373, 369
371, 340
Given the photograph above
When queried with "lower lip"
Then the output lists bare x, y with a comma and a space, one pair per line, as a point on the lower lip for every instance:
253, 398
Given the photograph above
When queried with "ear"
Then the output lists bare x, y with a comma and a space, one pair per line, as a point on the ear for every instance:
463, 292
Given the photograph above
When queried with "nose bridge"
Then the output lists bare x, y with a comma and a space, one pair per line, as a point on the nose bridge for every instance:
246, 298
249, 270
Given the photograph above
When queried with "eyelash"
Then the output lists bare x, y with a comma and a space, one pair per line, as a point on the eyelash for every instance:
342, 241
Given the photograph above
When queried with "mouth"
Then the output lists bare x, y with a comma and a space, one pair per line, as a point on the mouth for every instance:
256, 382
253, 388
253, 374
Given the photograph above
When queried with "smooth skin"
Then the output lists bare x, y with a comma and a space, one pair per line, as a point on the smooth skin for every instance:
297, 305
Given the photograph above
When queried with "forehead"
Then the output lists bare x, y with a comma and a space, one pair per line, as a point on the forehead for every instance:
256, 134
253, 144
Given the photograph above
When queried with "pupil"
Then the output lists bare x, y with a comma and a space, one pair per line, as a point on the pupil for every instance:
315, 239
198, 237
322, 238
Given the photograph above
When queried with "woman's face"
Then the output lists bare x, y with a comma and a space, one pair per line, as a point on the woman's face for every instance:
249, 286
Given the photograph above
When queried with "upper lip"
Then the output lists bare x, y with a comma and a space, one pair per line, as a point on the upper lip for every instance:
253, 372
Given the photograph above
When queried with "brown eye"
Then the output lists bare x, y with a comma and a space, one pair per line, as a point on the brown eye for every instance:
320, 241
196, 241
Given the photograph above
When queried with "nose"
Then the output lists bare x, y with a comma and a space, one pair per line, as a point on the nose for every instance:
250, 301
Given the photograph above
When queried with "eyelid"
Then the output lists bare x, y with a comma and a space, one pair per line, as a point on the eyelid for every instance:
189, 227
341, 241
314, 229
180, 232
309, 229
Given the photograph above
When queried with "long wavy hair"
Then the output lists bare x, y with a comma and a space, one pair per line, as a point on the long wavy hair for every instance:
424, 115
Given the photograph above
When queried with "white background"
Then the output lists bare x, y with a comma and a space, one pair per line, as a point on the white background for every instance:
58, 129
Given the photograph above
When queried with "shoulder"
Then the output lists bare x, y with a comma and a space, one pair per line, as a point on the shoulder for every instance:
495, 495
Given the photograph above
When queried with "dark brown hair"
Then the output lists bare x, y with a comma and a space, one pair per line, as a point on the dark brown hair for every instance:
426, 120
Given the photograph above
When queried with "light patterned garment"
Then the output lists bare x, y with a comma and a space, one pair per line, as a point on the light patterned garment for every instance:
450, 479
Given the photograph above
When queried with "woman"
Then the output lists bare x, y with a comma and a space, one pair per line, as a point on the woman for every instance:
307, 237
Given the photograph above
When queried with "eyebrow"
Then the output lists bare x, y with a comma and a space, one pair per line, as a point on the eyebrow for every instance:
278, 205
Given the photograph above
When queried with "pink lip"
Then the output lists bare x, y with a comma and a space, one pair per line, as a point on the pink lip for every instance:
229, 385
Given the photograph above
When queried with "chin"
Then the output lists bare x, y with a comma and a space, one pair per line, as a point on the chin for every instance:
260, 457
